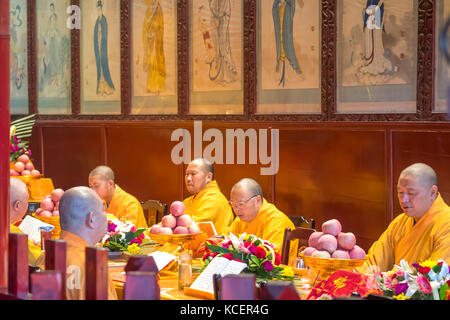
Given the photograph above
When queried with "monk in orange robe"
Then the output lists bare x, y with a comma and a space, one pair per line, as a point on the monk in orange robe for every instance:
207, 202
18, 206
83, 224
256, 216
118, 202
421, 232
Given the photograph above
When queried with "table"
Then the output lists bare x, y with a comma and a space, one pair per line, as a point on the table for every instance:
168, 279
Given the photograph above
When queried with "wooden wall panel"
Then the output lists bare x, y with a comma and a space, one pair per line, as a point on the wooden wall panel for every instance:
327, 174
140, 158
70, 153
430, 147
346, 171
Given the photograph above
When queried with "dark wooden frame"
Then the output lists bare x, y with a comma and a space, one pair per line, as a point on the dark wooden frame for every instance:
425, 70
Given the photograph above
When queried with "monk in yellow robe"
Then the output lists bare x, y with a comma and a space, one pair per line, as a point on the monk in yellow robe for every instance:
18, 206
422, 232
83, 224
207, 202
118, 202
254, 215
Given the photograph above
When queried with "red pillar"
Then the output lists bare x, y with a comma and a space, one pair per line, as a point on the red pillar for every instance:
4, 141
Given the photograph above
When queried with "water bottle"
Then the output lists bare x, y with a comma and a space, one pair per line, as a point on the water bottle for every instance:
184, 270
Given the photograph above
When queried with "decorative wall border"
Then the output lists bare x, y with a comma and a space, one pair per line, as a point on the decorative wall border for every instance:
426, 47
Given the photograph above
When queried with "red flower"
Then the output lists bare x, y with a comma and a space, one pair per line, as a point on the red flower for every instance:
214, 254
247, 244
229, 256
260, 252
238, 260
424, 270
277, 259
206, 255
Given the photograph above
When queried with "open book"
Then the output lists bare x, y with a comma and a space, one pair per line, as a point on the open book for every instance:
162, 259
218, 265
30, 226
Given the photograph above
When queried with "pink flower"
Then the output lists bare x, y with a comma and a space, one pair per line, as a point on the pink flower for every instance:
142, 236
401, 288
268, 265
243, 248
111, 227
133, 229
424, 284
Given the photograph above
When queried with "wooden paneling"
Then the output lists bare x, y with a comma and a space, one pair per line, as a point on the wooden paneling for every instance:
70, 153
430, 147
346, 171
327, 174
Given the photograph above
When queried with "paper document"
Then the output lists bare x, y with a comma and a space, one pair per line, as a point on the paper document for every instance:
30, 226
162, 258
218, 265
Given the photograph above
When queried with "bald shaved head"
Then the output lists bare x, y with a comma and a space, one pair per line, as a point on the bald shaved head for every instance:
205, 165
246, 198
199, 173
18, 199
82, 213
250, 185
104, 172
423, 172
417, 190
102, 181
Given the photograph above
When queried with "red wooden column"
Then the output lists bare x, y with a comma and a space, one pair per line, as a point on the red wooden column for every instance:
55, 259
4, 141
47, 285
96, 273
18, 265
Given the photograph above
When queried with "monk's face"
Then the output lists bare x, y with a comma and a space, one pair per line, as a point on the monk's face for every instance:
415, 197
245, 205
196, 178
104, 188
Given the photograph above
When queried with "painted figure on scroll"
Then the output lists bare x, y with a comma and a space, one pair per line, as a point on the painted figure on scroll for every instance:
18, 206
283, 20
118, 202
375, 61
421, 232
207, 202
153, 41
254, 215
222, 68
105, 85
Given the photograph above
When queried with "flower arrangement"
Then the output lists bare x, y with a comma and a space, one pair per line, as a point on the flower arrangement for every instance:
427, 280
19, 129
17, 148
259, 255
123, 236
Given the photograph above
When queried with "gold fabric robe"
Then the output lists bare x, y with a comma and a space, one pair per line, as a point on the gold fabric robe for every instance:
126, 207
269, 224
429, 238
210, 205
34, 251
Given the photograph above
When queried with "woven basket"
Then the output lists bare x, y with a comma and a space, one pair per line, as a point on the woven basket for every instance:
174, 238
329, 265
54, 221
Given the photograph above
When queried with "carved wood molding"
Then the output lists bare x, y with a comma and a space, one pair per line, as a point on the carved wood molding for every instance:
329, 47
32, 57
75, 67
125, 56
250, 68
183, 37
425, 58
